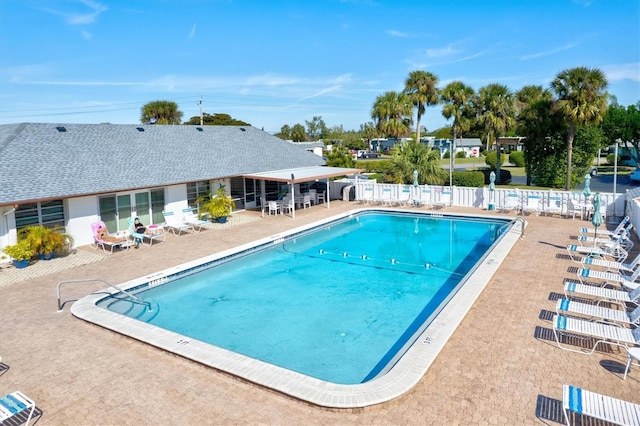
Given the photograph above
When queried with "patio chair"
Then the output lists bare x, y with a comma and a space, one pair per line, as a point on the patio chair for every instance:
109, 241
599, 407
14, 407
602, 333
605, 232
617, 316
614, 253
444, 201
273, 207
553, 206
626, 281
612, 265
385, 197
306, 201
287, 204
511, 202
156, 234
322, 197
532, 205
603, 294
573, 209
175, 224
367, 195
424, 198
189, 217
405, 196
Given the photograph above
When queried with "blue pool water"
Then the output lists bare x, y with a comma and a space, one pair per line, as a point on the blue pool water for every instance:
338, 303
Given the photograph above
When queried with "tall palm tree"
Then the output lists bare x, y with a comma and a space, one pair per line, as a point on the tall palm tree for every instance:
582, 99
160, 112
528, 95
496, 110
421, 88
391, 112
456, 97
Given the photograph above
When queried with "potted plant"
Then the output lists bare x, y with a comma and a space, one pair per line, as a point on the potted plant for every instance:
20, 253
45, 242
217, 207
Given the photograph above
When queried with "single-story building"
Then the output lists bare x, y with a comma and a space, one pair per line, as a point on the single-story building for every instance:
470, 146
71, 175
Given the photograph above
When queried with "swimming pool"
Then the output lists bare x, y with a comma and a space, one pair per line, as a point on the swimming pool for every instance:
346, 275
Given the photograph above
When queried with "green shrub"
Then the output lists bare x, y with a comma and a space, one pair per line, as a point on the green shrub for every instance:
611, 158
461, 154
446, 155
473, 179
491, 159
517, 158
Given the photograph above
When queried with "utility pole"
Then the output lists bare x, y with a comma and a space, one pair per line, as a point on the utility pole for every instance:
201, 111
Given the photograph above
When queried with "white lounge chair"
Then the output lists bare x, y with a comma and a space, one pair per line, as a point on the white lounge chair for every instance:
553, 206
385, 196
425, 196
603, 294
618, 316
511, 202
612, 265
368, 194
606, 232
598, 406
405, 196
532, 205
602, 333
189, 217
175, 224
615, 253
444, 201
153, 235
626, 281
623, 240
14, 407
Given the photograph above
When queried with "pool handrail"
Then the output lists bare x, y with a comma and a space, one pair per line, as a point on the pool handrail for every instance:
137, 299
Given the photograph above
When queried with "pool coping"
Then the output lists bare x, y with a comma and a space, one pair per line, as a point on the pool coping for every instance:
402, 377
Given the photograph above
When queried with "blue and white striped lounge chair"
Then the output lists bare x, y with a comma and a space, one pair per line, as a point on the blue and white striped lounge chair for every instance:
611, 265
444, 201
14, 406
613, 253
623, 240
626, 281
603, 294
596, 312
174, 223
611, 334
189, 217
605, 232
532, 205
139, 238
599, 407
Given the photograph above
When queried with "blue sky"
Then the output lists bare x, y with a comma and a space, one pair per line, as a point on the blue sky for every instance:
280, 62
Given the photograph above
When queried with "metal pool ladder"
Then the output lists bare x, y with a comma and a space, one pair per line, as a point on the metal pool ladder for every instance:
131, 296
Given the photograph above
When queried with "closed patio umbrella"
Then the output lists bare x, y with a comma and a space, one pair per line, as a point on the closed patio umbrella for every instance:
596, 219
492, 187
587, 187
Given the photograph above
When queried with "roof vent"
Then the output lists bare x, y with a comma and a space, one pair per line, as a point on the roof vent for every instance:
61, 128
199, 129
242, 129
140, 129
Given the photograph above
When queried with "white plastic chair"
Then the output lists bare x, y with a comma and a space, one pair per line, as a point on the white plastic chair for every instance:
599, 407
306, 201
273, 208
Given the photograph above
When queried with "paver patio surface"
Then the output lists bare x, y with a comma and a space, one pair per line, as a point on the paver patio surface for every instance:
501, 366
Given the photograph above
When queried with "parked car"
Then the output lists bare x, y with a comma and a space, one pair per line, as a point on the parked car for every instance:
635, 176
370, 155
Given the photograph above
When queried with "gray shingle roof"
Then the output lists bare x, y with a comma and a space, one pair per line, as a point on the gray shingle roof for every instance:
37, 161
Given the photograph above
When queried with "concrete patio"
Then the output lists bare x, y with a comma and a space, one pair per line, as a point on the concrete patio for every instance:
502, 365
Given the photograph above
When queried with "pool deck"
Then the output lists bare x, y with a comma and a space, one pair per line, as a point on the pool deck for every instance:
501, 366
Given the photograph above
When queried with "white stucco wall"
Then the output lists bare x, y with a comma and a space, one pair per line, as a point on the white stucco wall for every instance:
81, 213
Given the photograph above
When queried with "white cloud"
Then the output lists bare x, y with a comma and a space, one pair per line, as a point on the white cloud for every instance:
615, 72
192, 33
441, 52
548, 52
77, 18
395, 33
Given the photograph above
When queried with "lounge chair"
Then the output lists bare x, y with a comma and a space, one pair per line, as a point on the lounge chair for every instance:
617, 316
612, 265
603, 294
404, 196
444, 201
155, 234
598, 406
424, 197
385, 197
603, 333
367, 194
532, 205
614, 253
111, 241
14, 407
623, 239
511, 202
626, 281
553, 206
175, 224
189, 217
606, 232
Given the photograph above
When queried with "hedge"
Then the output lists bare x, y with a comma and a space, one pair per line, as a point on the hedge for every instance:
469, 178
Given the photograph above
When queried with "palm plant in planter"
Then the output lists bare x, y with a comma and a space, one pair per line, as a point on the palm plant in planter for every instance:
21, 253
45, 242
217, 207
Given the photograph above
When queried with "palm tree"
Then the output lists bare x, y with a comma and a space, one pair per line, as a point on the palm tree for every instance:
496, 110
391, 112
528, 95
456, 97
582, 99
414, 155
161, 112
421, 88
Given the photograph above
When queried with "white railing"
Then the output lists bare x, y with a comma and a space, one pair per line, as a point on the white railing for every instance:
369, 191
